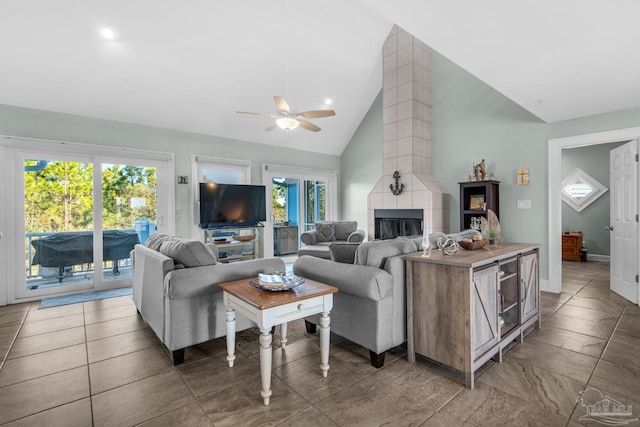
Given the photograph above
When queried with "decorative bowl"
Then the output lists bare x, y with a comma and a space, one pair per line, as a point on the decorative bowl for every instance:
476, 244
244, 238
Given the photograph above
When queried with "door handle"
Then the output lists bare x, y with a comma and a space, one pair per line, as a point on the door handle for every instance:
609, 227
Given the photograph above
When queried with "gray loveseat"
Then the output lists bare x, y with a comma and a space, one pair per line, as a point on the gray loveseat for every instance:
316, 242
370, 307
175, 289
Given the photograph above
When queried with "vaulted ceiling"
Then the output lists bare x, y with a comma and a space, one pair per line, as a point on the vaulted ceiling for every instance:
191, 65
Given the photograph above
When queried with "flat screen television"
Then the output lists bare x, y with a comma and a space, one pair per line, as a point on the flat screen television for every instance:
224, 205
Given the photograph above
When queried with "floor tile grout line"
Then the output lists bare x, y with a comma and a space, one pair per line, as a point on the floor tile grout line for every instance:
86, 349
13, 340
198, 401
44, 410
599, 359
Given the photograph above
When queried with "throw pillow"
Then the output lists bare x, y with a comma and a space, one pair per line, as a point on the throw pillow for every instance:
344, 228
191, 253
154, 241
343, 252
376, 255
325, 231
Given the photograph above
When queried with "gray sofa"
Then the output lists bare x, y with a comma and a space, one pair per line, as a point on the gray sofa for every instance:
370, 306
175, 289
316, 242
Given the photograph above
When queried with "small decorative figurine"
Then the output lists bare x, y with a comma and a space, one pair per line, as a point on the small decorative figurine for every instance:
480, 172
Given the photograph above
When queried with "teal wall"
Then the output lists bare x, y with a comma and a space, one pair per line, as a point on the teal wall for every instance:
593, 160
30, 123
598, 123
473, 121
361, 166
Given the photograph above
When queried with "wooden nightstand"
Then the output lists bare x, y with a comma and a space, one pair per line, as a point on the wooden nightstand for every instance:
571, 246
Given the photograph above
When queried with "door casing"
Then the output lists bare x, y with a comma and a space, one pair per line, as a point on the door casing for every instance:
556, 145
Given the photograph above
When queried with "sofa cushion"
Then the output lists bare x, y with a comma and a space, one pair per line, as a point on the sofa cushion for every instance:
376, 252
344, 229
357, 280
325, 231
154, 241
184, 252
318, 251
343, 252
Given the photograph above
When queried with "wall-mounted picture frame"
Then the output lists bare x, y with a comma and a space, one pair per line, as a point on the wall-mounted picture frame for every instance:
476, 202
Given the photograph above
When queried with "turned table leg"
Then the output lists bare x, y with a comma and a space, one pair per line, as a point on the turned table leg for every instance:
283, 334
231, 336
324, 343
265, 364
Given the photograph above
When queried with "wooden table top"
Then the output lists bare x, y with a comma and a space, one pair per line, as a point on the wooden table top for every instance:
477, 257
263, 299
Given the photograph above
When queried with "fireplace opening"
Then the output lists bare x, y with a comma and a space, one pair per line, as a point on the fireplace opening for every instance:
392, 223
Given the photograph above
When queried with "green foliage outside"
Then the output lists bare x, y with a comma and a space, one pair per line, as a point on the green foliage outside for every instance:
279, 202
59, 197
315, 201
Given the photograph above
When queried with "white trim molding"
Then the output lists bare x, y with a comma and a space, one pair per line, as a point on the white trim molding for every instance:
556, 145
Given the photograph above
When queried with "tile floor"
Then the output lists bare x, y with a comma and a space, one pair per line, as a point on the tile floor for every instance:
97, 363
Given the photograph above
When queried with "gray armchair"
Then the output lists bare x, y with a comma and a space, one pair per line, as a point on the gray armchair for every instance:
316, 242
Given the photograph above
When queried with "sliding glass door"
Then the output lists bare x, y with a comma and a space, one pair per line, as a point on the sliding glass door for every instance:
77, 217
297, 197
58, 222
315, 202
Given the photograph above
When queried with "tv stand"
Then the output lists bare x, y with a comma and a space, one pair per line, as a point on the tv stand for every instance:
230, 249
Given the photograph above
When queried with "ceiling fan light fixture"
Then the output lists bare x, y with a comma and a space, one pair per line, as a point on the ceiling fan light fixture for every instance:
287, 123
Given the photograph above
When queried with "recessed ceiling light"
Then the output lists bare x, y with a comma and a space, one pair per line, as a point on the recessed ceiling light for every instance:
107, 33
328, 101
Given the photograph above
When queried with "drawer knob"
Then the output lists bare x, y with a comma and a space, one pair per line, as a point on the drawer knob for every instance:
300, 307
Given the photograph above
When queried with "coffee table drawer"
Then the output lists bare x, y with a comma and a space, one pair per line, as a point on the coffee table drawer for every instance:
300, 309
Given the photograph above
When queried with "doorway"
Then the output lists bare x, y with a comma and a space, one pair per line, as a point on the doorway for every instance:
296, 199
556, 146
76, 213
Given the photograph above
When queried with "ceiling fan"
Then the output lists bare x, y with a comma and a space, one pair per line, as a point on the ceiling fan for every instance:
287, 120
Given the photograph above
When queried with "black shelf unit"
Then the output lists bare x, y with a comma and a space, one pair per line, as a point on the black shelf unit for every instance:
490, 190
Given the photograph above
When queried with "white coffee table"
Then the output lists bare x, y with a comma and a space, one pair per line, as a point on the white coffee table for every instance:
269, 309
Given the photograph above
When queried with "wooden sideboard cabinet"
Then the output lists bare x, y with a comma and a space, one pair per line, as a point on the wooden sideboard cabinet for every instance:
571, 246
464, 309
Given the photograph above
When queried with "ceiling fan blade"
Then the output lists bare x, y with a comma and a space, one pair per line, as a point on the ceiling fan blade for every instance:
271, 127
255, 114
283, 106
308, 125
317, 113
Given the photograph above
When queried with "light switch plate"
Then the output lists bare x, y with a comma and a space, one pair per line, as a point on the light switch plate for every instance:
524, 204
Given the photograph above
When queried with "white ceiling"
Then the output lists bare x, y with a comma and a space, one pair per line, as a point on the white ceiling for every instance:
190, 65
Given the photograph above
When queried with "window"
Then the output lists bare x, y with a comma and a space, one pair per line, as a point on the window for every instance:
579, 190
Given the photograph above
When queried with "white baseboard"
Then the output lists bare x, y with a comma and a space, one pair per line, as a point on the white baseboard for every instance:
601, 258
545, 286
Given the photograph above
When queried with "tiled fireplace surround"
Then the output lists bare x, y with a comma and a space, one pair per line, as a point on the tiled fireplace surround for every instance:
407, 135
